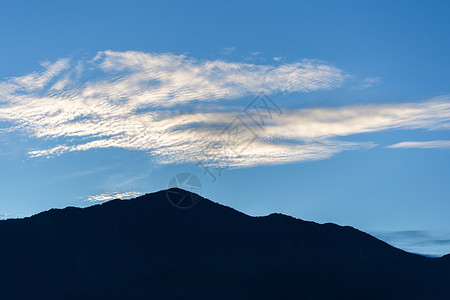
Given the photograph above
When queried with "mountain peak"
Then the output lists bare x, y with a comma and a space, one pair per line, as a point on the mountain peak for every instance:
149, 246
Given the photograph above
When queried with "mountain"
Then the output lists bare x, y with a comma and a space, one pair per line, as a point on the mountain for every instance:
146, 248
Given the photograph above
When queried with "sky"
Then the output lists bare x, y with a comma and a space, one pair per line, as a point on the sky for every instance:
329, 111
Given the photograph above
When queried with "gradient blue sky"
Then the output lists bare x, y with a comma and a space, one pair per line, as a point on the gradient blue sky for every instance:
364, 88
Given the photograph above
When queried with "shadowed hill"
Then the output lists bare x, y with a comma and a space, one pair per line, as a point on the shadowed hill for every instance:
145, 248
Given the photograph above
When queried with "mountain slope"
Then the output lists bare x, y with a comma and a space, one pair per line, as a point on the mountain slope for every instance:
146, 248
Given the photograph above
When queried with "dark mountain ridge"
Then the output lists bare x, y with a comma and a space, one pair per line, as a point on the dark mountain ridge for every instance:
146, 248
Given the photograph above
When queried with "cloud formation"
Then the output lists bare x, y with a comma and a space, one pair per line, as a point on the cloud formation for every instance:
4, 216
423, 145
369, 82
134, 100
428, 243
111, 196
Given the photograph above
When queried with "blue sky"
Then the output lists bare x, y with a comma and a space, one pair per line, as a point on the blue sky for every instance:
107, 99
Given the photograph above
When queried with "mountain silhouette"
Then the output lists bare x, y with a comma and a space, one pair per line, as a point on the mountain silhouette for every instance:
146, 248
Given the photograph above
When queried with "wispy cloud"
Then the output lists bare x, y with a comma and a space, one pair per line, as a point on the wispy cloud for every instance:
131, 100
38, 80
369, 82
167, 80
297, 135
4, 216
112, 196
422, 145
228, 50
418, 241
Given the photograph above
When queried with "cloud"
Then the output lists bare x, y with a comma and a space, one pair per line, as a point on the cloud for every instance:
137, 101
36, 81
228, 50
112, 196
5, 216
295, 135
417, 241
166, 80
350, 120
422, 145
369, 82
124, 99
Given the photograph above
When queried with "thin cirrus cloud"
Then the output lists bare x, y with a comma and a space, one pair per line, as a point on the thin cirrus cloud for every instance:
5, 216
423, 145
111, 196
433, 244
295, 135
130, 100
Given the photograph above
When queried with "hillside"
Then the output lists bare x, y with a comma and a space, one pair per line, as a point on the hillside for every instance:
145, 248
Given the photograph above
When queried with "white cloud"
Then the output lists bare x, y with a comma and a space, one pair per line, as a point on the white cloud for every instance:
229, 50
422, 145
130, 99
297, 135
369, 82
350, 120
112, 196
5, 216
35, 81
170, 79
